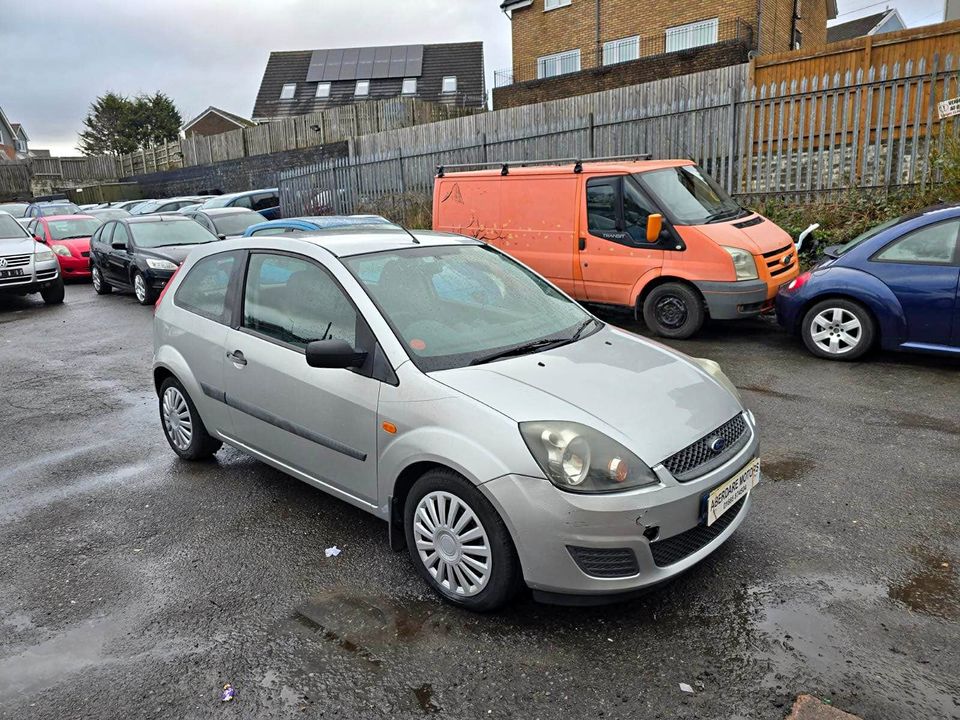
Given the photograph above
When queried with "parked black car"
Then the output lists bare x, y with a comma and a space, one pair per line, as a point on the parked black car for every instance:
141, 253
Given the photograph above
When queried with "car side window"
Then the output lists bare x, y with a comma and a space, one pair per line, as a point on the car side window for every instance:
204, 289
243, 201
120, 235
930, 245
265, 201
602, 204
295, 301
636, 209
273, 231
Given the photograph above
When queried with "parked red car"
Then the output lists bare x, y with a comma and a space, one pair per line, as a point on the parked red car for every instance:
69, 238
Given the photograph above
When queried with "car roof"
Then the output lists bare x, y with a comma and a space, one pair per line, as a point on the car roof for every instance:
213, 212
622, 167
154, 218
245, 192
362, 239
70, 216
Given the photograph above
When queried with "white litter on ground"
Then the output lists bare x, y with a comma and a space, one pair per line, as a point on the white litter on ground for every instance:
333, 551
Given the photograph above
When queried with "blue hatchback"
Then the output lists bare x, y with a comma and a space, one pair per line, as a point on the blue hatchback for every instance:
312, 224
897, 285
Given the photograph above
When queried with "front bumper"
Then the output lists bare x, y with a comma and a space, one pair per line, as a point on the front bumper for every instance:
78, 267
732, 300
545, 522
37, 276
157, 279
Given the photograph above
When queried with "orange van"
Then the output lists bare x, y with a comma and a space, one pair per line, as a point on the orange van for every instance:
660, 237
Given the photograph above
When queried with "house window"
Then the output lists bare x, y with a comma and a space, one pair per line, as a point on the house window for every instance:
554, 4
450, 84
410, 86
618, 51
558, 64
21, 146
362, 89
797, 39
323, 90
683, 37
288, 91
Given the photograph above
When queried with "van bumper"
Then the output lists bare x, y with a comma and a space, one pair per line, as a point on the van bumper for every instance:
732, 300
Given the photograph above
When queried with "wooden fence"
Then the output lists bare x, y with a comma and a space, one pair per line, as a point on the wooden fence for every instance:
14, 181
74, 169
873, 129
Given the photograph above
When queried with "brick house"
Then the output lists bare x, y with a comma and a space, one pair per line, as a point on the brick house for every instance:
619, 38
214, 121
306, 81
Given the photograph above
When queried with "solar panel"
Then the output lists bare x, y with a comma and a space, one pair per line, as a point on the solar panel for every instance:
365, 63
332, 70
318, 62
381, 62
397, 61
348, 67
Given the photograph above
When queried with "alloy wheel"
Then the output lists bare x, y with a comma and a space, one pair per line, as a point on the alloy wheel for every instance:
176, 418
140, 287
452, 543
836, 331
95, 277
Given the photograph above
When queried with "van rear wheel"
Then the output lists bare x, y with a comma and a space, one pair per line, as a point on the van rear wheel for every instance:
673, 310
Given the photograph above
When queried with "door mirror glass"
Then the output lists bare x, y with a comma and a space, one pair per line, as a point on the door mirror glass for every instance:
654, 227
39, 238
333, 354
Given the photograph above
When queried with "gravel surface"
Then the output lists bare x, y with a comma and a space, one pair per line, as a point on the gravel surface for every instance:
135, 585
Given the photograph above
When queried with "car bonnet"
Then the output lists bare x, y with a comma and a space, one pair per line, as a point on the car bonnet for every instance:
638, 392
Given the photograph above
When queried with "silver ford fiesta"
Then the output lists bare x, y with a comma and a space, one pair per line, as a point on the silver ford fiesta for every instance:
507, 436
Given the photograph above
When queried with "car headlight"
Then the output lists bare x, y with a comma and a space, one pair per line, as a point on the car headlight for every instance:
61, 250
580, 459
712, 368
743, 263
158, 264
43, 254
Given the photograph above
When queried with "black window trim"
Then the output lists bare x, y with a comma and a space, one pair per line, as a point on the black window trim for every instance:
875, 257
226, 317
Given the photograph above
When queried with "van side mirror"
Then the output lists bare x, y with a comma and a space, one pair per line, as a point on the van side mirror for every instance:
654, 227
333, 354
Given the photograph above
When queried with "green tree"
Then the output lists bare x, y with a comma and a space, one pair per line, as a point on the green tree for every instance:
117, 124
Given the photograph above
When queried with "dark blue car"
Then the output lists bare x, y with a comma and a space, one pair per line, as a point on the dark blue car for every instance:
895, 286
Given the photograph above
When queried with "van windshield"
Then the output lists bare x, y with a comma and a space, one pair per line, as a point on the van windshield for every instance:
460, 305
690, 196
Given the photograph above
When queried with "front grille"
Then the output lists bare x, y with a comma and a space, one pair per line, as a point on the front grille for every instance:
605, 562
774, 260
16, 260
697, 459
777, 253
676, 548
46, 274
19, 280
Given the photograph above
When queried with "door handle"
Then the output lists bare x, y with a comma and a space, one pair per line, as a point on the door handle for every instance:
236, 357
583, 244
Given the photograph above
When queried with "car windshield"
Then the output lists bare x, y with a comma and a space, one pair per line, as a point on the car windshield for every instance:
160, 234
689, 195
58, 209
863, 237
67, 229
109, 214
459, 305
10, 228
236, 224
219, 201
146, 207
15, 209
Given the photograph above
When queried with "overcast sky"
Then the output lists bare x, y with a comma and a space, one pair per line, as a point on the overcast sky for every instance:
58, 55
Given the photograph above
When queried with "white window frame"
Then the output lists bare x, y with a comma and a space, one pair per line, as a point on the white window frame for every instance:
323, 90
556, 64
365, 84
406, 89
691, 35
288, 91
549, 5
622, 50
446, 87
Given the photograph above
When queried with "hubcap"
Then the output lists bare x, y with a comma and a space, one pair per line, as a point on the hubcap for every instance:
140, 287
452, 543
671, 311
836, 331
176, 418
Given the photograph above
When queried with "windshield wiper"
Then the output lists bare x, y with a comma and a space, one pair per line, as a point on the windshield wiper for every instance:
722, 215
73, 237
524, 349
583, 326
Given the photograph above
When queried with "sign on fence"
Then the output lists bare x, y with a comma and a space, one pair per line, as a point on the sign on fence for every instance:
949, 108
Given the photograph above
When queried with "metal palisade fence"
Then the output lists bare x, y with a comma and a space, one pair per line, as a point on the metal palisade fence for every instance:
875, 129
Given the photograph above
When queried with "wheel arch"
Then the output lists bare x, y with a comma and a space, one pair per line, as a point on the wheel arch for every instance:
663, 280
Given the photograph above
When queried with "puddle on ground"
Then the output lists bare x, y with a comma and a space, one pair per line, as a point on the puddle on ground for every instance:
932, 589
424, 695
786, 468
69, 652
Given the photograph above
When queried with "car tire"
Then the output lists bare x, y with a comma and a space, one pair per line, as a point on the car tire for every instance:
838, 329
674, 310
468, 586
100, 286
145, 294
181, 423
53, 295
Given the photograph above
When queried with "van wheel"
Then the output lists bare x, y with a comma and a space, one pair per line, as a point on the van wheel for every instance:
838, 330
459, 543
673, 310
182, 426
100, 286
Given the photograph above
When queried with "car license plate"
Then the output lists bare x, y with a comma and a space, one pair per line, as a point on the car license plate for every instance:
16, 272
727, 495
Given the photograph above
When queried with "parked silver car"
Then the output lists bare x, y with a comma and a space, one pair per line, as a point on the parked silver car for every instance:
27, 266
505, 434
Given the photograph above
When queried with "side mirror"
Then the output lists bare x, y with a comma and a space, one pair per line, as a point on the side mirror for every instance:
221, 236
333, 354
39, 239
654, 227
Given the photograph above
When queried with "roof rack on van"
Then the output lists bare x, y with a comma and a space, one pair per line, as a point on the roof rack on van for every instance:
506, 165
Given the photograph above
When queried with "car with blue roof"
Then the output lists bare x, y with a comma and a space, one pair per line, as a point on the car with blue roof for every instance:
312, 223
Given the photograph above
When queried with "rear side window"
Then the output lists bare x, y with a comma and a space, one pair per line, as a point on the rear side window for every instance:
295, 302
931, 245
243, 201
264, 201
204, 290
